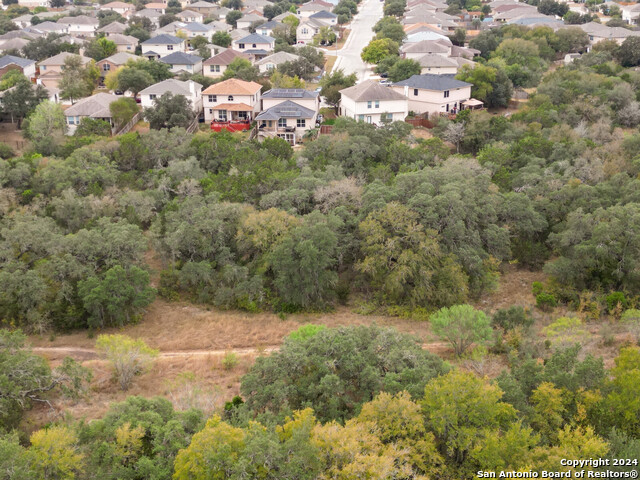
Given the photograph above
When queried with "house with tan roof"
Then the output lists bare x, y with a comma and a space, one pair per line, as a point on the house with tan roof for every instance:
113, 28
232, 100
271, 62
95, 106
114, 62
424, 47
190, 90
372, 102
190, 16
124, 43
215, 66
119, 7
51, 68
82, 25
437, 64
203, 7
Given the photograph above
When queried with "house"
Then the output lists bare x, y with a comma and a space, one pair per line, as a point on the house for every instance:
190, 16
437, 64
9, 62
183, 62
272, 61
257, 45
434, 94
95, 106
33, 3
267, 28
119, 7
630, 13
247, 20
113, 28
328, 18
49, 27
431, 21
215, 66
231, 101
426, 35
124, 43
307, 29
190, 29
373, 103
82, 25
424, 47
307, 9
190, 89
204, 8
13, 44
152, 15
114, 62
287, 120
52, 67
159, 7
304, 98
162, 45
598, 33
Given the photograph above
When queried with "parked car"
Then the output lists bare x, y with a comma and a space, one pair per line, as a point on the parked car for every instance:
385, 82
384, 75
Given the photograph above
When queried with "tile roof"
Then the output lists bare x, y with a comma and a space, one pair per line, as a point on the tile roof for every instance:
233, 107
233, 86
433, 82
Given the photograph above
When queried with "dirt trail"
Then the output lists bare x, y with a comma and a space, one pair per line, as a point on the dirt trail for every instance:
90, 354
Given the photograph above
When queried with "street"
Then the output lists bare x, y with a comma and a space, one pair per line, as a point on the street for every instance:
370, 11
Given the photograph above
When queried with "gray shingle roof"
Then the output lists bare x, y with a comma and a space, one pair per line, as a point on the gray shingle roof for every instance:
371, 90
96, 106
433, 82
292, 93
286, 109
176, 87
278, 58
181, 58
11, 60
323, 14
164, 39
255, 38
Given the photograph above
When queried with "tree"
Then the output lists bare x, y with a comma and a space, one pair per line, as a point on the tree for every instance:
551, 7
77, 79
404, 262
117, 297
278, 80
242, 69
166, 19
232, 17
100, 48
403, 69
48, 46
459, 37
46, 127
462, 410
123, 110
233, 4
332, 84
133, 80
326, 36
92, 126
378, 49
390, 27
55, 454
169, 111
623, 401
301, 68
461, 326
629, 53
337, 370
572, 40
128, 357
26, 378
222, 39
303, 263
22, 99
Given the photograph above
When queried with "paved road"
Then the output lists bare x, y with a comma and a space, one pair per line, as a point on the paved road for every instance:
370, 11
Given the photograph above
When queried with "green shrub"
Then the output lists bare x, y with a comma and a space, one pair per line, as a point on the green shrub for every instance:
512, 317
229, 361
537, 288
631, 316
305, 332
614, 299
546, 302
565, 329
6, 151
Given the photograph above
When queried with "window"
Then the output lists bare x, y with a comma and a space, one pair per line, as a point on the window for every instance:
128, 47
106, 67
369, 104
212, 98
361, 118
169, 47
230, 98
189, 67
377, 103
301, 123
254, 45
43, 67
446, 94
214, 68
282, 122
305, 31
241, 46
222, 115
152, 97
211, 111
415, 92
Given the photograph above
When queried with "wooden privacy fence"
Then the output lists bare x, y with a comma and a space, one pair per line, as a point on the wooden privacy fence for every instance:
420, 122
129, 125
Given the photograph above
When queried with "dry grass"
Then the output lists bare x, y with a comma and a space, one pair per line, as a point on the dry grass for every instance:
343, 39
13, 137
329, 63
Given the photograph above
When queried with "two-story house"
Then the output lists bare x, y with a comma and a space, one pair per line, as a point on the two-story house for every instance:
287, 120
189, 89
183, 62
231, 104
113, 28
82, 25
215, 66
52, 67
305, 98
115, 61
24, 65
271, 62
119, 7
190, 16
434, 94
124, 43
372, 102
257, 45
162, 45
249, 19
307, 29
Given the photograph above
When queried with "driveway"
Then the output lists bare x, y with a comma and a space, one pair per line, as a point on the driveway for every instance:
370, 11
